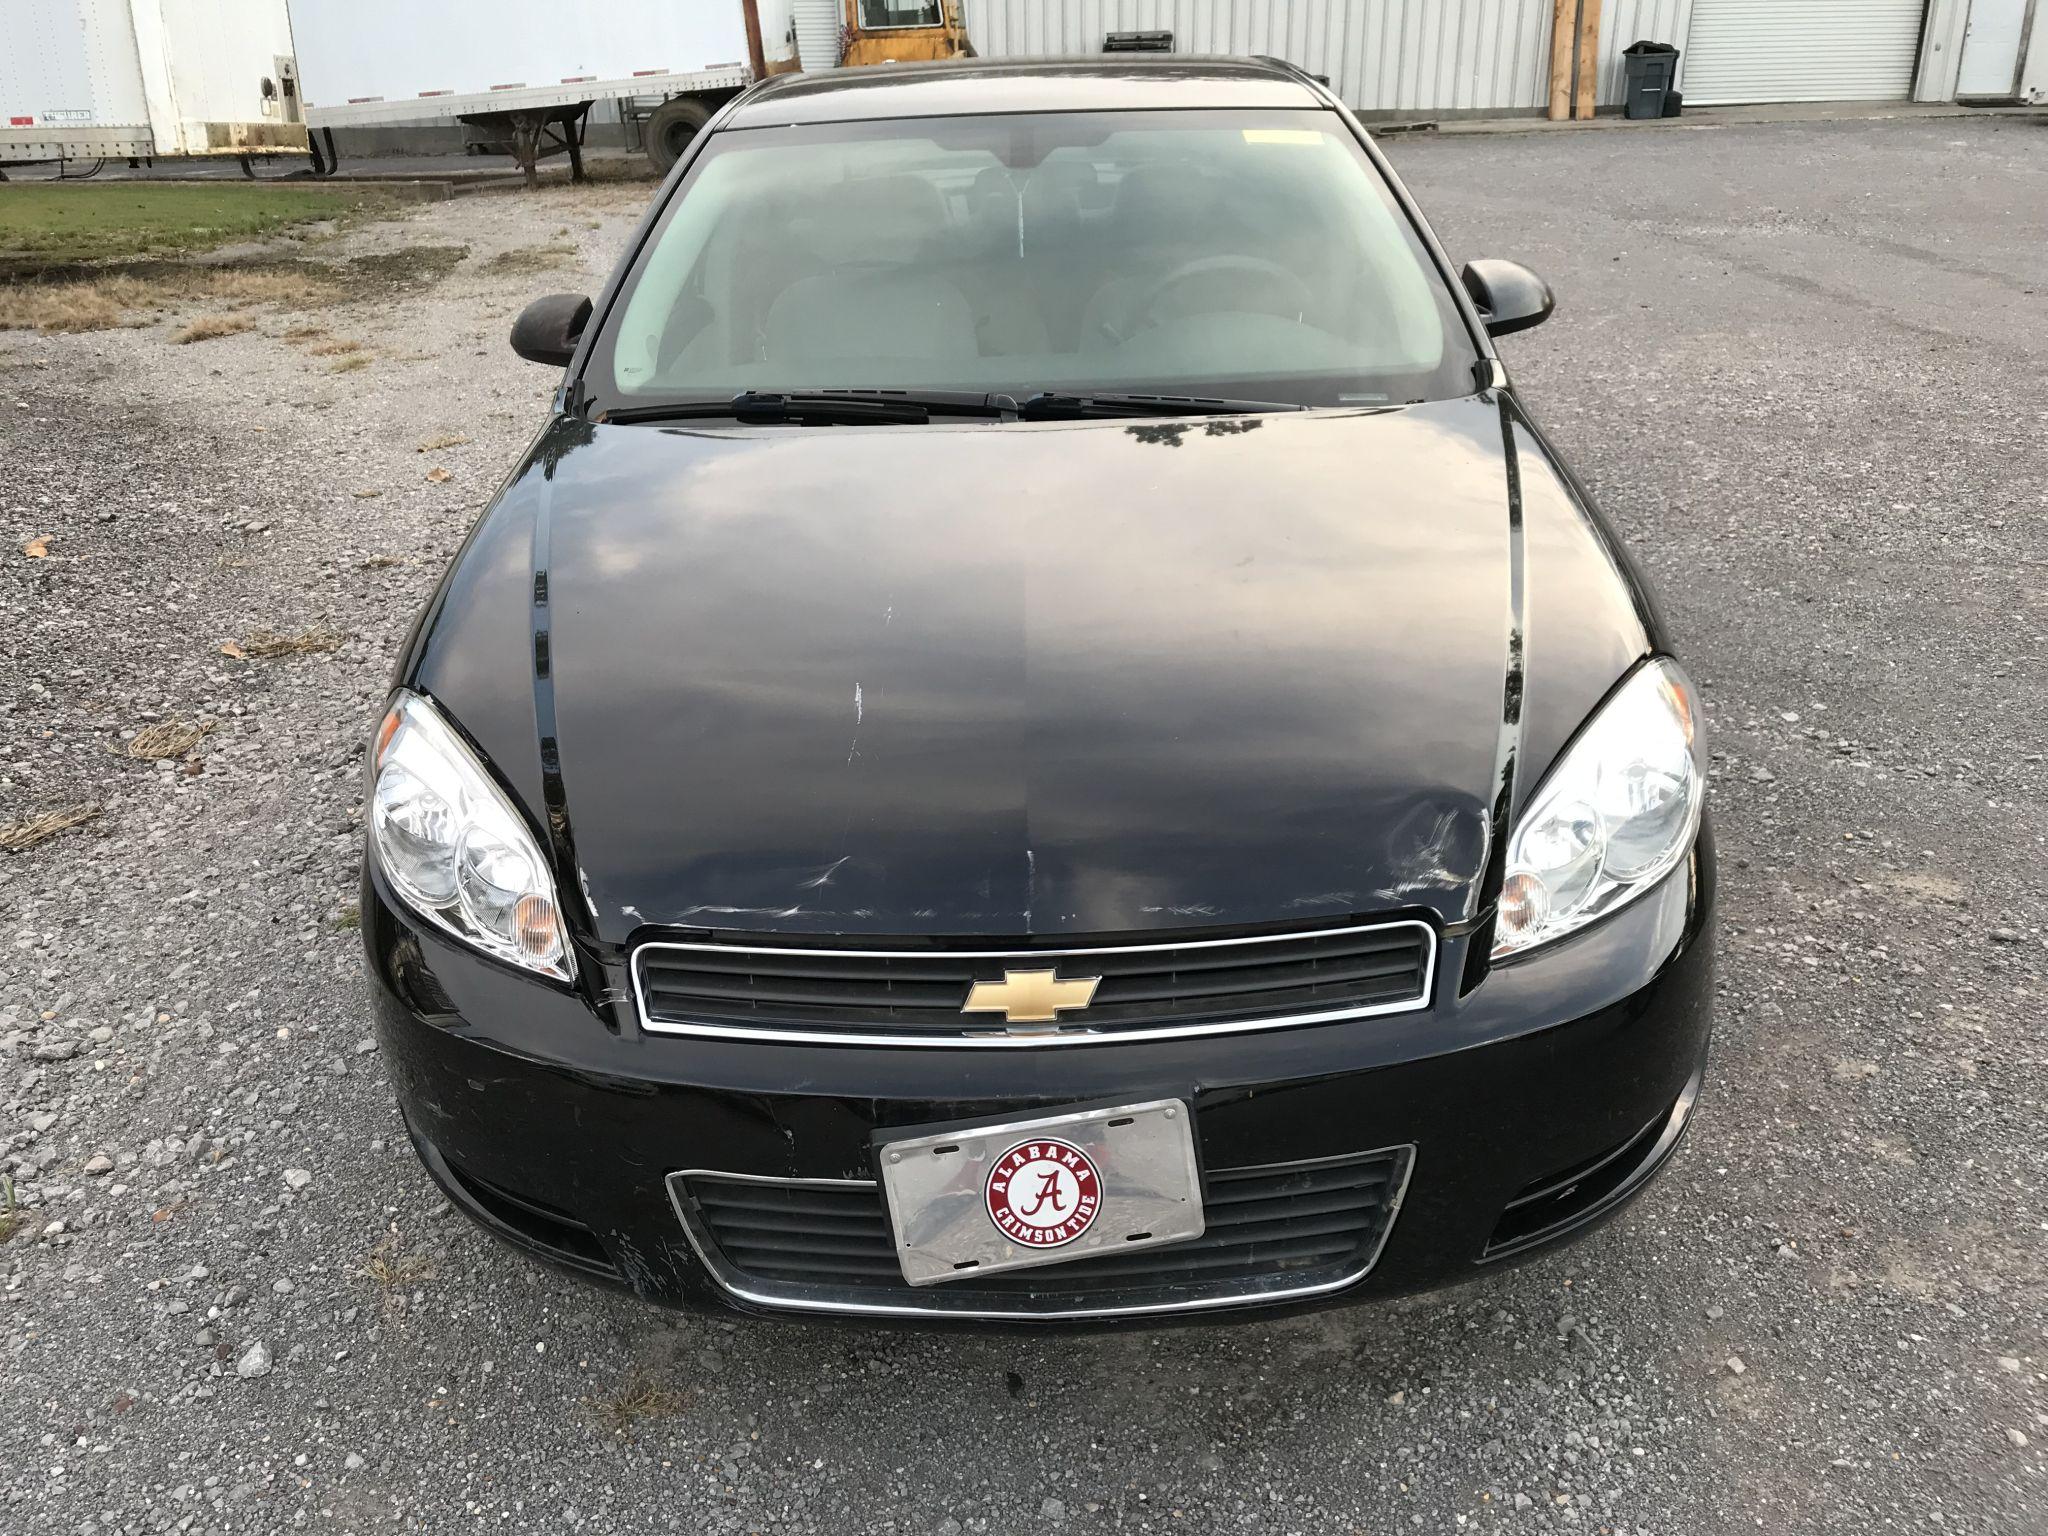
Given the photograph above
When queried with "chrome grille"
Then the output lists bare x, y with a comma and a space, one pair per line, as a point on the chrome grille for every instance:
913, 992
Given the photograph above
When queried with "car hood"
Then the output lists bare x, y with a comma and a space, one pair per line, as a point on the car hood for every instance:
1016, 680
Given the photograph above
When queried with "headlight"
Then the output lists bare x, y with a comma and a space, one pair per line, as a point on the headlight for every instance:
454, 849
1614, 817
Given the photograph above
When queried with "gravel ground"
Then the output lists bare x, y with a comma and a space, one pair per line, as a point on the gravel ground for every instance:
1801, 366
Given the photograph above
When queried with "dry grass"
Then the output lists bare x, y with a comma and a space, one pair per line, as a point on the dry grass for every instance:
11, 1219
395, 1272
350, 363
20, 836
99, 304
284, 287
168, 741
303, 333
265, 643
532, 258
638, 1399
60, 307
339, 346
212, 327
606, 168
444, 440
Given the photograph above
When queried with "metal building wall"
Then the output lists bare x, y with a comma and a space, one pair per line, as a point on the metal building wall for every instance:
1380, 55
817, 32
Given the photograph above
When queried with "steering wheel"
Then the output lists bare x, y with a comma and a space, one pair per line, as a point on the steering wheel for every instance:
1291, 295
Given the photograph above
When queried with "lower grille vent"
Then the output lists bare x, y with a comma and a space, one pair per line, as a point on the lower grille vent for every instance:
827, 1245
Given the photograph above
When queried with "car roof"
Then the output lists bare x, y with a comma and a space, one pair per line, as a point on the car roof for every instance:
971, 87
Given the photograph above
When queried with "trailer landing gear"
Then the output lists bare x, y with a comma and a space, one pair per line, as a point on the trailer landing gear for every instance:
329, 163
529, 137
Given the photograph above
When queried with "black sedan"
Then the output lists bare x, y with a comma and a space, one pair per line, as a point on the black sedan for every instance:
1039, 736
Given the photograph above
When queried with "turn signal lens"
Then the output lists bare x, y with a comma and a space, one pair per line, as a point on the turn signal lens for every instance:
535, 927
454, 849
1617, 813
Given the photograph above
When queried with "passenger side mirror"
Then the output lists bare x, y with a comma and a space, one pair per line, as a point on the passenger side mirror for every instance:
548, 329
1510, 297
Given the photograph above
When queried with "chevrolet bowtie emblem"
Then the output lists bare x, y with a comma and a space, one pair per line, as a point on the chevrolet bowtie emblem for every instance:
1031, 997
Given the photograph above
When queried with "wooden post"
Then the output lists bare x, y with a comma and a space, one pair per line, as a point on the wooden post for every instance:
1588, 58
757, 59
1564, 31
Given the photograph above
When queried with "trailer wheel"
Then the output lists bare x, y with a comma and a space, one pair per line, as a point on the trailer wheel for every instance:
669, 131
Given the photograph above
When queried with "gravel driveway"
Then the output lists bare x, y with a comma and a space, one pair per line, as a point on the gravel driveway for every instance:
1801, 365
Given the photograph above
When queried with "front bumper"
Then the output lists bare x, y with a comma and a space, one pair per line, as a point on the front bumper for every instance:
1531, 1106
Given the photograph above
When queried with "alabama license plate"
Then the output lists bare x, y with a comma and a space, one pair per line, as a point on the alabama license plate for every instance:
973, 1200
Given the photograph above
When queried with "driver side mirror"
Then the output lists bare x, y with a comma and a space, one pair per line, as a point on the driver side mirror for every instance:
548, 329
1510, 297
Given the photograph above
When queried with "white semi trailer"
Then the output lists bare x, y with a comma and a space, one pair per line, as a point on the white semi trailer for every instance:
147, 79
524, 72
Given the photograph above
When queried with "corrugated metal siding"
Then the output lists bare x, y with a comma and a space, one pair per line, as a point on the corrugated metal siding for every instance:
817, 32
1380, 55
1813, 50
1638, 21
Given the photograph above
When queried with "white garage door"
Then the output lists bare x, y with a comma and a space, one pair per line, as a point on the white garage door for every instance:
1801, 50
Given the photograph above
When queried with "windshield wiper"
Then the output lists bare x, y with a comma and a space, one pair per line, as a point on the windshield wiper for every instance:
818, 407
1048, 406
853, 407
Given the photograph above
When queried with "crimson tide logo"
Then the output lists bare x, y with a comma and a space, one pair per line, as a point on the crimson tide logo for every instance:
1043, 1193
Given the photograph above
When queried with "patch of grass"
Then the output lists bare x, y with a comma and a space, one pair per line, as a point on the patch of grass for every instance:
20, 836
442, 440
335, 346
11, 1219
298, 334
211, 327
531, 258
49, 222
639, 1398
349, 918
350, 363
264, 644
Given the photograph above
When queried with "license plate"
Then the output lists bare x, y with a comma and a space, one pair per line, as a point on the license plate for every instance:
981, 1199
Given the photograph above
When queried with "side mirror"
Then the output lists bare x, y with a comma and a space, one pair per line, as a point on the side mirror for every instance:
1510, 297
548, 329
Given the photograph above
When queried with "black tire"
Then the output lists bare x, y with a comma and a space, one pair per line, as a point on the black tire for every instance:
669, 131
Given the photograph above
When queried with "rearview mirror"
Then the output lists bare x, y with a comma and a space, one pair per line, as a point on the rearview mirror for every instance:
1510, 297
548, 329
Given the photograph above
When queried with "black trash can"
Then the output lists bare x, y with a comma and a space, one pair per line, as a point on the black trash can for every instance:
1648, 71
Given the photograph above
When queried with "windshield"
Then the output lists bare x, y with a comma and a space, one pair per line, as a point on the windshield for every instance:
1248, 254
